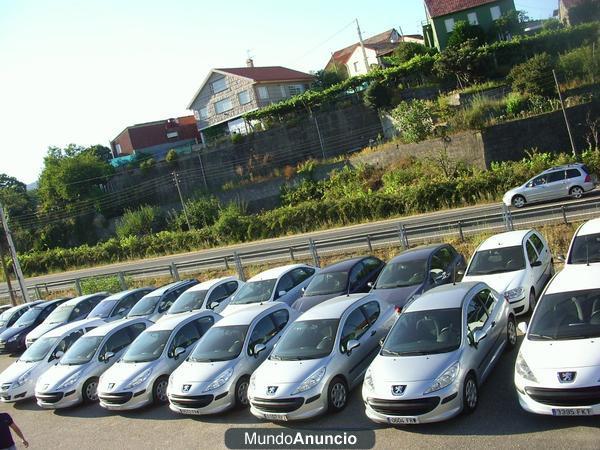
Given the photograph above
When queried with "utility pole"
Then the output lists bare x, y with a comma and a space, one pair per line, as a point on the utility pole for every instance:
176, 178
362, 46
562, 105
13, 254
13, 301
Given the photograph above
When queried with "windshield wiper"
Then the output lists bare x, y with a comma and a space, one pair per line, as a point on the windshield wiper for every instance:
541, 336
390, 352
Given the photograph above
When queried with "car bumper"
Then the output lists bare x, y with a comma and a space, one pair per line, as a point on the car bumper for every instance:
303, 406
10, 392
205, 403
125, 400
566, 407
11, 347
58, 399
519, 306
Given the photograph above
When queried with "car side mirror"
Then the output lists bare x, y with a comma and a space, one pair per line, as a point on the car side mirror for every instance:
178, 352
107, 356
281, 293
522, 327
381, 341
257, 349
478, 336
213, 304
460, 272
303, 290
370, 284
57, 355
351, 345
562, 259
537, 263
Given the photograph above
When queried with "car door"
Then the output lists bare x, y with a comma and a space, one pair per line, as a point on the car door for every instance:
283, 289
478, 320
556, 186
372, 267
263, 333
217, 296
64, 344
116, 344
442, 265
538, 264
168, 299
536, 189
355, 327
301, 276
355, 276
184, 338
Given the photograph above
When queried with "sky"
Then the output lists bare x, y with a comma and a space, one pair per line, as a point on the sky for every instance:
74, 71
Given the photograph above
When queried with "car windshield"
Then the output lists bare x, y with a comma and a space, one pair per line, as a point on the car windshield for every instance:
188, 301
103, 309
567, 315
424, 333
306, 339
60, 314
39, 349
497, 260
327, 283
255, 292
29, 317
402, 274
585, 249
5, 316
82, 351
145, 306
148, 346
220, 344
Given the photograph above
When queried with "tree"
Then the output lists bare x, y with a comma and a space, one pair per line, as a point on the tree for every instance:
463, 32
328, 77
407, 51
171, 156
378, 95
103, 153
509, 25
464, 62
415, 120
534, 77
585, 11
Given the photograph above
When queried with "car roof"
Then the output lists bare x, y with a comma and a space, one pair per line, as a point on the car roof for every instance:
444, 297
421, 252
590, 227
76, 300
171, 322
50, 302
341, 266
103, 330
121, 294
24, 305
333, 308
508, 239
206, 285
68, 327
563, 167
246, 315
161, 290
574, 278
275, 272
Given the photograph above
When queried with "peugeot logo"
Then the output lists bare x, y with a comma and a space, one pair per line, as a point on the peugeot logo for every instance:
46, 386
111, 385
398, 389
566, 377
271, 390
186, 388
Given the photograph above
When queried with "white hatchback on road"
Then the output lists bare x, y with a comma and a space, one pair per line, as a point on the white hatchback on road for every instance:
517, 264
585, 245
558, 367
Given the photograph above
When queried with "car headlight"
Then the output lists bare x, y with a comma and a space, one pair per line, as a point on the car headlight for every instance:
23, 378
445, 379
252, 384
220, 380
369, 380
71, 380
523, 369
140, 379
514, 293
312, 380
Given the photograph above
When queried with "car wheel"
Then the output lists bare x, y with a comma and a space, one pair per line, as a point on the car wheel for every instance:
470, 394
576, 192
159, 391
518, 201
89, 391
337, 395
241, 392
511, 333
532, 300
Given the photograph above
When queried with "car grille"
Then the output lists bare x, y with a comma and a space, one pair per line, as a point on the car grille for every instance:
191, 401
413, 407
565, 397
118, 398
278, 405
50, 397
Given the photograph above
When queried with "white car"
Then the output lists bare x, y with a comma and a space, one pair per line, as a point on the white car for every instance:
18, 380
118, 305
558, 366
212, 294
517, 264
12, 314
320, 358
585, 245
140, 377
281, 284
74, 379
215, 376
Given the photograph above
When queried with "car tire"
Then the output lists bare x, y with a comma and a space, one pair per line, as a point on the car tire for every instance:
511, 333
89, 391
532, 301
470, 394
337, 395
518, 201
241, 392
576, 192
159, 391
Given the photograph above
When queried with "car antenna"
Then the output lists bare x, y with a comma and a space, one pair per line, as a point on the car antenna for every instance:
587, 251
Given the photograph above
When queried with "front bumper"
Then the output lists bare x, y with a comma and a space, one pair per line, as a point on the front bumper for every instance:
198, 402
554, 402
11, 346
125, 400
287, 406
56, 399
519, 306
10, 392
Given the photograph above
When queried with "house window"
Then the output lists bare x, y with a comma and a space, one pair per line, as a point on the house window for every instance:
263, 92
244, 97
223, 105
295, 89
449, 25
118, 148
204, 112
355, 66
496, 12
219, 85
473, 18
172, 134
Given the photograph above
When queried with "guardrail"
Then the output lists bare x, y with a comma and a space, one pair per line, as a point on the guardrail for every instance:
401, 234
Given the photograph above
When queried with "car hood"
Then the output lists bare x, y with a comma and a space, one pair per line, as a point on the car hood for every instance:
305, 303
500, 282
122, 373
58, 374
15, 370
562, 354
200, 372
397, 296
230, 309
273, 372
12, 331
42, 329
411, 368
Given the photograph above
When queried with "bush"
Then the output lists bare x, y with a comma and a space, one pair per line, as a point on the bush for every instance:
463, 32
378, 95
139, 222
582, 63
201, 212
236, 138
415, 120
534, 77
171, 156
405, 51
147, 164
100, 284
232, 224
516, 103
478, 114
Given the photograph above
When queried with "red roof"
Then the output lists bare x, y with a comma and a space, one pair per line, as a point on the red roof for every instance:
381, 43
270, 73
438, 8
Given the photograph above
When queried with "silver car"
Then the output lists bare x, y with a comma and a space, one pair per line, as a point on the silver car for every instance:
441, 349
74, 379
572, 180
215, 376
118, 305
13, 313
140, 377
320, 358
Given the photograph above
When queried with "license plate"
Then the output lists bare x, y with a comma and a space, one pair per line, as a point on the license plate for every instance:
572, 412
194, 412
403, 420
272, 416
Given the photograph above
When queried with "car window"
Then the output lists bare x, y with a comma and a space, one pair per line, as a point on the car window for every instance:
285, 284
354, 327
537, 242
16, 316
168, 300
218, 294
66, 342
442, 259
117, 342
84, 307
203, 324
488, 300
186, 336
371, 310
356, 274
476, 315
553, 177
532, 255
573, 173
371, 264
136, 329
537, 181
46, 312
301, 274
125, 305
231, 287
263, 332
281, 318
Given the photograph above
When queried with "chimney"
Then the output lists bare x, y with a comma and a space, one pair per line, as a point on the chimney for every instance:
250, 62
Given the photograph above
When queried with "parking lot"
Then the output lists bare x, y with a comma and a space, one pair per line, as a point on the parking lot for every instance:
499, 422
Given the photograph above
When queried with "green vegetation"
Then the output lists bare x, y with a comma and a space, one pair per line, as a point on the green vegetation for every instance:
534, 77
101, 284
415, 120
139, 222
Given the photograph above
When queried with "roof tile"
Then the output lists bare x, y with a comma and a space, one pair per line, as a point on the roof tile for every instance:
439, 8
269, 73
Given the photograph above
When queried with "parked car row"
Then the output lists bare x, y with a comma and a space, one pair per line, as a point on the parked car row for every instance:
294, 341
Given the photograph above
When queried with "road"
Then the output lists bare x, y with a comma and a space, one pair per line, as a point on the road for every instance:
499, 422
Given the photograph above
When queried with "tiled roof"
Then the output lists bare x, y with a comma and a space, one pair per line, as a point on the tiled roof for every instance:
270, 73
439, 8
380, 42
